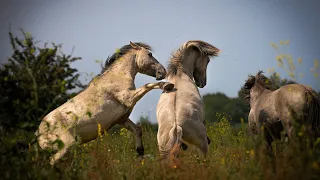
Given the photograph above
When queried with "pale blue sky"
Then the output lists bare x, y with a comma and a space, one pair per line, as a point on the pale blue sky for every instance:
242, 29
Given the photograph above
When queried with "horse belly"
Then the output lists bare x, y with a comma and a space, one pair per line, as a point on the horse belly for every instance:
102, 119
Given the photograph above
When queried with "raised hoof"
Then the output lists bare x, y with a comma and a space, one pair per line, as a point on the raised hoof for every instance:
184, 146
168, 86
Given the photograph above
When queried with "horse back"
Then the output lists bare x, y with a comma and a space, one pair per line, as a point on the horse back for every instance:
293, 101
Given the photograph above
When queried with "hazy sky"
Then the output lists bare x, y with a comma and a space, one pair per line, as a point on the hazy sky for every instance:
242, 29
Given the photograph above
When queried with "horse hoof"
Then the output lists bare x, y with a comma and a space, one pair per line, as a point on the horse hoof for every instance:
184, 146
168, 86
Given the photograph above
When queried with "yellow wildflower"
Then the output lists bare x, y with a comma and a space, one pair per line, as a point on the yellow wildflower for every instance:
251, 152
223, 161
242, 120
274, 46
99, 130
279, 57
291, 74
286, 42
123, 131
316, 63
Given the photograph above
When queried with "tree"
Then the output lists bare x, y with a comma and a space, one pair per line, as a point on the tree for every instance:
145, 123
277, 82
34, 81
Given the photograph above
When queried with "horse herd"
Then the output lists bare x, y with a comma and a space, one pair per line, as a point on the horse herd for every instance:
111, 96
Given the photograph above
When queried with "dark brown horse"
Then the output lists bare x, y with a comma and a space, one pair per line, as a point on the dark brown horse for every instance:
286, 108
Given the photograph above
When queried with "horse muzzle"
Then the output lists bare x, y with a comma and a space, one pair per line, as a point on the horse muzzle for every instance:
201, 84
161, 74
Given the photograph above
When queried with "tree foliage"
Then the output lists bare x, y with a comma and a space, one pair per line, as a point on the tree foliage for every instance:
34, 81
277, 82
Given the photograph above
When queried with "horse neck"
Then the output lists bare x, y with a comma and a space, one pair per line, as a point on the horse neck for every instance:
257, 91
125, 67
181, 77
188, 65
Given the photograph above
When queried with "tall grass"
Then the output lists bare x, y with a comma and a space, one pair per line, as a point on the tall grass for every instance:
233, 154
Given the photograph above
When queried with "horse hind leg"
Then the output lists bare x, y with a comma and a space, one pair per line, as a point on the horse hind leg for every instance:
128, 124
185, 147
204, 147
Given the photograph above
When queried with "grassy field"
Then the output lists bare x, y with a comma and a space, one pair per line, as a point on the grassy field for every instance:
232, 155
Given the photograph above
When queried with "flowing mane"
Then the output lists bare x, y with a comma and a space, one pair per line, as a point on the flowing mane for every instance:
205, 49
121, 52
252, 80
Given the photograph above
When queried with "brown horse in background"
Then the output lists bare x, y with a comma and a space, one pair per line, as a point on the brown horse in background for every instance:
288, 108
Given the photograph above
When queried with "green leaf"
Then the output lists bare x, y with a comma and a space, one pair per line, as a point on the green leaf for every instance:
60, 143
89, 114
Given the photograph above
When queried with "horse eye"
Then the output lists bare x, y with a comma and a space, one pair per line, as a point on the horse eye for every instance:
150, 54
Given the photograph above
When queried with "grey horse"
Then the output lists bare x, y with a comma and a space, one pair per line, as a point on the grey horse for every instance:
287, 108
108, 100
180, 112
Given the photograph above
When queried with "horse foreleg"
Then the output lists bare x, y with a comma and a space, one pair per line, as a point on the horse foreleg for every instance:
128, 124
54, 158
269, 140
140, 92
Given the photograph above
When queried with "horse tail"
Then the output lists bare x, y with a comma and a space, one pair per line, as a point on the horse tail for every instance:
174, 144
313, 112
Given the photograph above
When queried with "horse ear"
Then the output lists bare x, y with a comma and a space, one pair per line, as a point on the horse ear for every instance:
135, 46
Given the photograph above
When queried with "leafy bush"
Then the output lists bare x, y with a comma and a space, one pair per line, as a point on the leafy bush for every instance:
34, 81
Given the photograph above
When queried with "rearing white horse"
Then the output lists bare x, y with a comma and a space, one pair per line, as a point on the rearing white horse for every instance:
108, 100
180, 113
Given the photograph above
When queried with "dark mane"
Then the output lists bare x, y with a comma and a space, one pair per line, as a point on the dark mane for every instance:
121, 52
205, 49
252, 80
